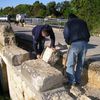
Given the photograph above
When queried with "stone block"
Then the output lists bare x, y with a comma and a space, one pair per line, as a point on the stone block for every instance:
15, 55
41, 75
6, 35
91, 74
47, 54
29, 92
51, 56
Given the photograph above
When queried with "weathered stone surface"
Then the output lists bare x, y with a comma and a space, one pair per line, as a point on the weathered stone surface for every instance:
29, 92
91, 74
6, 35
15, 55
95, 66
41, 75
94, 79
63, 93
57, 94
5, 29
93, 93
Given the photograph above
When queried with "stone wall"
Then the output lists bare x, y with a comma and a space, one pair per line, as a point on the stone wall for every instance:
36, 79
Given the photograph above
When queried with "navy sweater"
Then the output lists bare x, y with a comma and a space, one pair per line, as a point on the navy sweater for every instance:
37, 36
76, 30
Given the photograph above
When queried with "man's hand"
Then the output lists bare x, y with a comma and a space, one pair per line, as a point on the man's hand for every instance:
38, 56
54, 49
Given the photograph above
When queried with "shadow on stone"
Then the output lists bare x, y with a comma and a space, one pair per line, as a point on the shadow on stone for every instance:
90, 46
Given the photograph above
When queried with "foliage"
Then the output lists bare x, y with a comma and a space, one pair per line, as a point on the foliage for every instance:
38, 9
89, 10
51, 8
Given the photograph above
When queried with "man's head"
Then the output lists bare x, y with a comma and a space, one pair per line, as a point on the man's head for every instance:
45, 32
70, 16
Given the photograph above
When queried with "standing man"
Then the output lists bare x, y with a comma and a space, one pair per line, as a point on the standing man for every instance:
40, 32
76, 35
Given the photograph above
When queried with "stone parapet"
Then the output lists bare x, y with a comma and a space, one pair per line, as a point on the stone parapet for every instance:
15, 55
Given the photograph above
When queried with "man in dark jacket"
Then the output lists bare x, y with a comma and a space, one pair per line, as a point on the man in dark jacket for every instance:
76, 35
40, 32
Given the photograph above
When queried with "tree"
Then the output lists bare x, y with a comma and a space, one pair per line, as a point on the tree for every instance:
38, 9
64, 8
1, 12
8, 10
22, 8
88, 10
51, 8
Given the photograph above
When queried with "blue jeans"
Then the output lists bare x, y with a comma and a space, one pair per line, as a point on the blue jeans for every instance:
75, 61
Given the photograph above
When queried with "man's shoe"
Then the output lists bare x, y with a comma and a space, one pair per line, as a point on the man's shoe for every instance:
77, 84
75, 90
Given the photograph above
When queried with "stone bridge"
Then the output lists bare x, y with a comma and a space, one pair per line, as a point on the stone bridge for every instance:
29, 79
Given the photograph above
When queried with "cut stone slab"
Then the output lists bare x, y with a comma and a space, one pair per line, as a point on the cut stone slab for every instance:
15, 55
41, 75
47, 54
52, 57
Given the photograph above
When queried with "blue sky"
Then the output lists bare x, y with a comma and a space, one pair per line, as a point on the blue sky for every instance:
5, 3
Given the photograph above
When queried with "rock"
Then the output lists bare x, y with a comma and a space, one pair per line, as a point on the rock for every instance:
47, 54
15, 55
51, 56
91, 73
6, 35
41, 75
57, 94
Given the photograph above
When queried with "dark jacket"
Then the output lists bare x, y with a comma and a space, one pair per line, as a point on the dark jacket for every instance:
37, 34
76, 30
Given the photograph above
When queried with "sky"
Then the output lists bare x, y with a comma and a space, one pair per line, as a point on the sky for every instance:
6, 3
